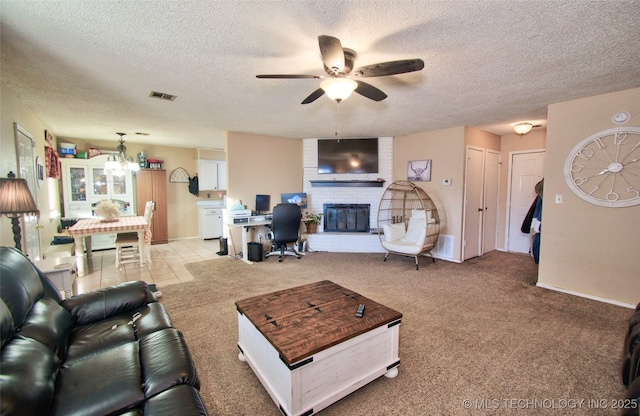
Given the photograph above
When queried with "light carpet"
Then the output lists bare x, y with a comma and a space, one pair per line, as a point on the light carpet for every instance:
476, 338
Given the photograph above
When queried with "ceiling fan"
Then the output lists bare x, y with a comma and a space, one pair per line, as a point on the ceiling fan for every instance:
338, 64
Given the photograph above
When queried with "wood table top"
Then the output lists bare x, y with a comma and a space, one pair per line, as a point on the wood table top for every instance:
302, 321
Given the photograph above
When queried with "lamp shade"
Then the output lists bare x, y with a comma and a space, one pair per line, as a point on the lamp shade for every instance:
15, 197
522, 128
338, 88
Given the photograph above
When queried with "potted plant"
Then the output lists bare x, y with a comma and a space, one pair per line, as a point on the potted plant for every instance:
311, 221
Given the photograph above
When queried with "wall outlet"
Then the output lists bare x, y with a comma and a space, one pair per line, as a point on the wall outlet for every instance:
446, 182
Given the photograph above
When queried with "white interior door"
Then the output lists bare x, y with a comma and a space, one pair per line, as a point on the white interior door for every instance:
491, 187
474, 204
26, 170
527, 169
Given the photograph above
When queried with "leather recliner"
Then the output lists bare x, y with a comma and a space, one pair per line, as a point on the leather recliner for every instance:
631, 366
113, 351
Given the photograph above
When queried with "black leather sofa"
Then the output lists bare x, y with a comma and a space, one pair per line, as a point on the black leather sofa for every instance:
109, 352
631, 366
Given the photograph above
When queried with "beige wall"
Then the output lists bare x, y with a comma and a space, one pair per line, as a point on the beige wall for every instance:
261, 164
534, 140
480, 138
14, 111
182, 213
587, 248
445, 148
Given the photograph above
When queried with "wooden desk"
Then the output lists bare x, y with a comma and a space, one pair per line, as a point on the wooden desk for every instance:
85, 228
308, 348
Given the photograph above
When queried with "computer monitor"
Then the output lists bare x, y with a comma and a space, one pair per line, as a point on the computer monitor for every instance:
263, 204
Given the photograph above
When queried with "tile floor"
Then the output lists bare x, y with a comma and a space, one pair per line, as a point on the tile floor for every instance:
167, 265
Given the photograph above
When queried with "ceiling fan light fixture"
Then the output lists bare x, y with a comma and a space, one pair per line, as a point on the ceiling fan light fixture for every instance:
338, 88
522, 128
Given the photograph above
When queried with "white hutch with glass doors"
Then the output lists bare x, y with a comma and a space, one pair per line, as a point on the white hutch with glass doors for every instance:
86, 182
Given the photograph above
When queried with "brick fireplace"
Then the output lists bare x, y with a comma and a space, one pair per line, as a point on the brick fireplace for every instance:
336, 239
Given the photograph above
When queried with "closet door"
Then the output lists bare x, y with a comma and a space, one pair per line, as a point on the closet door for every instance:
474, 203
491, 188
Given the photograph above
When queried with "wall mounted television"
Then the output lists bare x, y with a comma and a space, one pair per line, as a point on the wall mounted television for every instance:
348, 155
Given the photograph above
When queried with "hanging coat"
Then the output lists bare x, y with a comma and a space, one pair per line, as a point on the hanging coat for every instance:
526, 224
193, 185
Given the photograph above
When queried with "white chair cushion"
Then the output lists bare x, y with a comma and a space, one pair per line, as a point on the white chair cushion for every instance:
411, 241
393, 232
417, 227
402, 246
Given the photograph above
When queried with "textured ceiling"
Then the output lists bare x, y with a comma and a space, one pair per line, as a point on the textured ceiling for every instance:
86, 68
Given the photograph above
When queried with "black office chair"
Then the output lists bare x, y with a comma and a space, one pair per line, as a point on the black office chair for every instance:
286, 229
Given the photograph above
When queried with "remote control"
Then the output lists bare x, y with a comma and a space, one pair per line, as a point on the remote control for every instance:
360, 311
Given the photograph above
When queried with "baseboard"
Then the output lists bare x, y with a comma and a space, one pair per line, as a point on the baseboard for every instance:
449, 259
584, 295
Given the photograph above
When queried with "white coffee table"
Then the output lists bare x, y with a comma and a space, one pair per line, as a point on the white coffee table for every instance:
309, 350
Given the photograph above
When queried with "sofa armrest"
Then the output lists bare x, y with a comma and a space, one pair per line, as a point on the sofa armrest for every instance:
106, 302
393, 232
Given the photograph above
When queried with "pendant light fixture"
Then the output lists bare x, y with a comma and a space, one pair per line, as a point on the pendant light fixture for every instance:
120, 162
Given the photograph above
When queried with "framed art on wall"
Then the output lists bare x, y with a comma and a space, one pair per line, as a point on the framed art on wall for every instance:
39, 172
419, 170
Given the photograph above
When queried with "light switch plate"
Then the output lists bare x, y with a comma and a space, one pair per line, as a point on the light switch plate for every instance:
446, 182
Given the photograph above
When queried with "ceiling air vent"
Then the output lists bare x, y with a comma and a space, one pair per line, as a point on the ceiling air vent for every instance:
162, 96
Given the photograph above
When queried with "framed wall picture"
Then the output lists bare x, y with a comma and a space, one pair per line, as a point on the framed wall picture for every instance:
39, 172
419, 170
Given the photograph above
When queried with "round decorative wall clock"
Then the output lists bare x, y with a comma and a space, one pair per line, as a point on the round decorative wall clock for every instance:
604, 168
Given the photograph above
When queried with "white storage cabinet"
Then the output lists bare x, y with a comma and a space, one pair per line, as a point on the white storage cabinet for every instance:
209, 223
212, 175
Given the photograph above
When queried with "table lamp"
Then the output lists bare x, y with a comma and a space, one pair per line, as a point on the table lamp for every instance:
15, 201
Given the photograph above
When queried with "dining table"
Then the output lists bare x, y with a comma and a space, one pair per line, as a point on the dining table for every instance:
85, 228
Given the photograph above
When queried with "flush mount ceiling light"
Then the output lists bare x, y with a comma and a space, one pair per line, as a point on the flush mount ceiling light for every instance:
338, 88
524, 127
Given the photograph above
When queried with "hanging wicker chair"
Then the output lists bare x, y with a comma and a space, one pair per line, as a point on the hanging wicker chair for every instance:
408, 222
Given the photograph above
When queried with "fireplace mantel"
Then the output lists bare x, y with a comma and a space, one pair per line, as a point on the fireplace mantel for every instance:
354, 183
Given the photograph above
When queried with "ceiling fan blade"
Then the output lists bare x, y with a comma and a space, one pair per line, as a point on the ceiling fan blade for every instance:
369, 91
313, 96
332, 53
284, 76
389, 68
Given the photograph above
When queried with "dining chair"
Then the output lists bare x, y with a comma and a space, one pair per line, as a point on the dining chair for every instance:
127, 243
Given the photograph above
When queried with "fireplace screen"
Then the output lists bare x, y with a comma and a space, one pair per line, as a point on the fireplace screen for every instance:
346, 218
